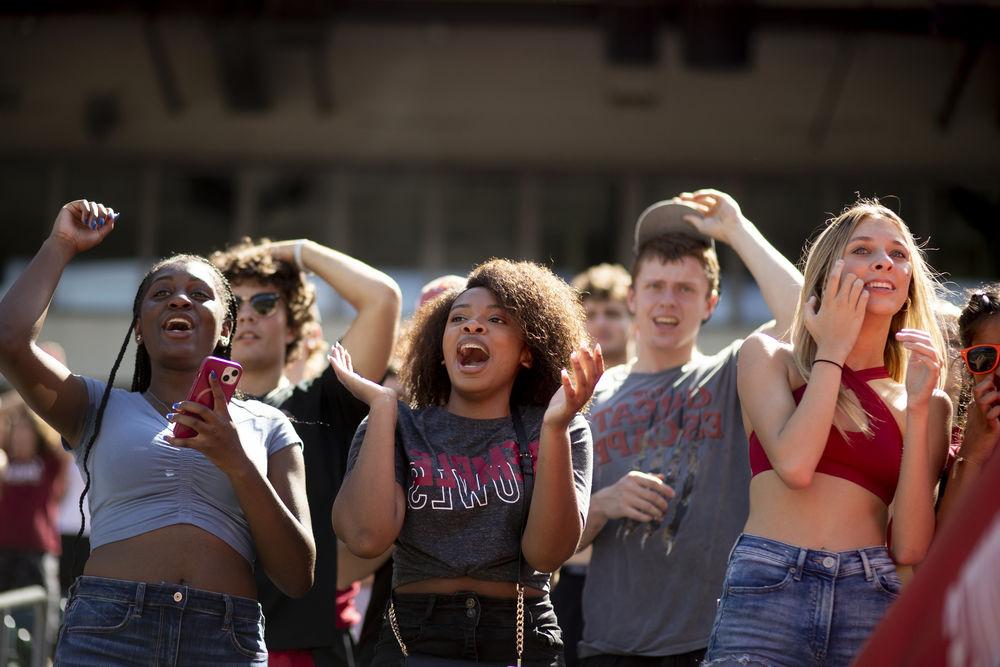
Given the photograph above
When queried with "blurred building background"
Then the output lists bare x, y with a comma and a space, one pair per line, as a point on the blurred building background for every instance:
425, 136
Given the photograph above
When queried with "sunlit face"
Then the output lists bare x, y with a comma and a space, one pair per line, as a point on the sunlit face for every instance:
483, 345
182, 316
877, 253
262, 331
608, 323
669, 301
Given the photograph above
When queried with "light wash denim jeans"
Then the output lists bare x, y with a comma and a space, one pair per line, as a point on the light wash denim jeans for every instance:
115, 622
784, 605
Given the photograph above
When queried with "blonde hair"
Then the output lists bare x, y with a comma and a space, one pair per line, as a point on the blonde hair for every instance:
917, 313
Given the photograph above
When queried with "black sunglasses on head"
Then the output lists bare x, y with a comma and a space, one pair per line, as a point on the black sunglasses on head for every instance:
263, 303
981, 359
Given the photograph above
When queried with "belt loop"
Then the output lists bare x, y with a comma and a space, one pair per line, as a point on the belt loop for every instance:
800, 564
140, 598
431, 603
228, 620
869, 574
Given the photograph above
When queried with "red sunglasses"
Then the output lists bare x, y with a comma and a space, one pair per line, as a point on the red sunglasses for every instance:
981, 359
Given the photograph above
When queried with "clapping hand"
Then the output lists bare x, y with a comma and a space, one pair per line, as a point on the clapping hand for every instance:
588, 365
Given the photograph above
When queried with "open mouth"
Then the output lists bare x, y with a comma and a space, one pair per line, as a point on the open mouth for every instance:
178, 325
472, 356
666, 320
880, 285
247, 336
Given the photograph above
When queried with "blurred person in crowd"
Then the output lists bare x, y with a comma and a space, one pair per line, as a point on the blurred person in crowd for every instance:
32, 483
448, 478
177, 522
848, 428
75, 545
670, 462
309, 359
277, 311
603, 290
979, 414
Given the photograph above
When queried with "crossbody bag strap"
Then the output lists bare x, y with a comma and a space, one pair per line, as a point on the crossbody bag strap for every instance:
527, 465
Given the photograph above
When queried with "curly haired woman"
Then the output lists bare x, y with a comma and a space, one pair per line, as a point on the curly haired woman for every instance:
442, 478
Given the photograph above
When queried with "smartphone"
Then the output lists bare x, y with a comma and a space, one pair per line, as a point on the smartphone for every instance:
228, 372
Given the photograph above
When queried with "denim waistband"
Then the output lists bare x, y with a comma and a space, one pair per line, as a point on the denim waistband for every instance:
813, 561
427, 605
143, 595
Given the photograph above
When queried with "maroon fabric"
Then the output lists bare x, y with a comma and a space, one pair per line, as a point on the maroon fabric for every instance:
29, 505
872, 464
950, 612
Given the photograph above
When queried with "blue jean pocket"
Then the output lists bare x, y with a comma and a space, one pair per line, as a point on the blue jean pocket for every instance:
97, 615
887, 580
248, 638
754, 575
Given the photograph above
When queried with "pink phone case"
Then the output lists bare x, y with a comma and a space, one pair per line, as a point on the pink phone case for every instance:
228, 372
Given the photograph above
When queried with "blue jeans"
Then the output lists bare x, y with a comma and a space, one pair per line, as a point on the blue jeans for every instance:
473, 627
784, 605
114, 622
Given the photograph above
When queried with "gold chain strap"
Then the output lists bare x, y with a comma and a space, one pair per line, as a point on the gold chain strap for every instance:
394, 625
520, 622
395, 629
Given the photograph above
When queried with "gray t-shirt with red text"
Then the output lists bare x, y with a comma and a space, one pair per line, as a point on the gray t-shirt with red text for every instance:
463, 487
652, 587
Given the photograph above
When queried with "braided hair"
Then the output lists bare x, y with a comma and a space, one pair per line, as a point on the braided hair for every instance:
142, 375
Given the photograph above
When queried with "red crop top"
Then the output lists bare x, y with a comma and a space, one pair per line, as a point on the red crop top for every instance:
872, 464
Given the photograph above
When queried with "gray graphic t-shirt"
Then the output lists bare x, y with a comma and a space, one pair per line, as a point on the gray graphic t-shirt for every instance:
464, 489
652, 587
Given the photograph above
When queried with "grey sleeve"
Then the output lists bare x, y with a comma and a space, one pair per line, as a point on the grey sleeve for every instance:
402, 467
95, 389
582, 453
282, 435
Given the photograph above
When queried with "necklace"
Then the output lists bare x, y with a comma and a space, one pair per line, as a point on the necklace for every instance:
153, 396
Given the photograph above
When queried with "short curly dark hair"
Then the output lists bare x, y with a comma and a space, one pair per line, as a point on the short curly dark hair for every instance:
547, 309
249, 260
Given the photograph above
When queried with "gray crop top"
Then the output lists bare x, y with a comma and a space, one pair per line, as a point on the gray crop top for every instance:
140, 483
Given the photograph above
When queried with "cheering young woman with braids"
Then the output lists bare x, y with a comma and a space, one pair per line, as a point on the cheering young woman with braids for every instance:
176, 522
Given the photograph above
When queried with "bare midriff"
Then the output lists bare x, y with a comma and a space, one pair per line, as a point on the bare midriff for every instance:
451, 585
831, 514
180, 554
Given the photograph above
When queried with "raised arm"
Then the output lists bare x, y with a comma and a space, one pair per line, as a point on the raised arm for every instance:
979, 442
554, 523
778, 279
369, 510
925, 444
794, 436
46, 385
374, 295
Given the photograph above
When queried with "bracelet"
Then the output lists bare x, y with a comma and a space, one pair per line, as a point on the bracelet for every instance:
297, 253
816, 361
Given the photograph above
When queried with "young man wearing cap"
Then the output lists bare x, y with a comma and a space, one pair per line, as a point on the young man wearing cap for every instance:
276, 300
671, 474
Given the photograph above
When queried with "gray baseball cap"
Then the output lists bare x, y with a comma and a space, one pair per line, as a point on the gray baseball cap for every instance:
667, 217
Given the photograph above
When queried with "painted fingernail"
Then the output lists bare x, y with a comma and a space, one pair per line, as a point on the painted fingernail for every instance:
212, 374
170, 416
93, 224
100, 222
114, 216
176, 406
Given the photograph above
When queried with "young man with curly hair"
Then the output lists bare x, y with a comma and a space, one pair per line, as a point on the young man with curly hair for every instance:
671, 473
276, 303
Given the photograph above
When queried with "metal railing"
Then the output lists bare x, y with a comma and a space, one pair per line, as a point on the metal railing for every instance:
36, 598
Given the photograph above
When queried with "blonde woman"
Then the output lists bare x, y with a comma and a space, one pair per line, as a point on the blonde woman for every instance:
848, 429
